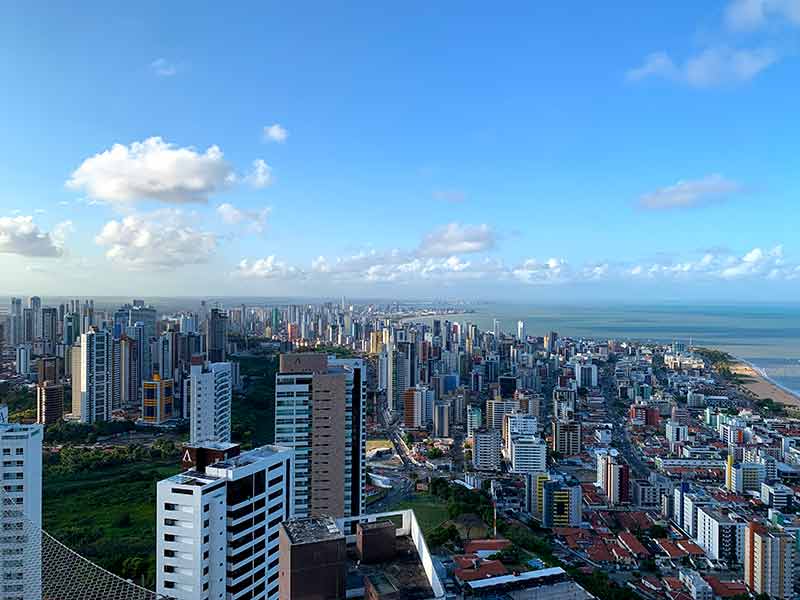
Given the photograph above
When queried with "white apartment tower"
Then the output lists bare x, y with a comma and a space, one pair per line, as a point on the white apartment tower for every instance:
21, 511
528, 455
207, 402
486, 451
218, 527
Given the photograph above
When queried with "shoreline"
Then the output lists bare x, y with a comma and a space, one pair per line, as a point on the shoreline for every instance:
762, 385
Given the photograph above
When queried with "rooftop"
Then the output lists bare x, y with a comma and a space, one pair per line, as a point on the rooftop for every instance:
312, 529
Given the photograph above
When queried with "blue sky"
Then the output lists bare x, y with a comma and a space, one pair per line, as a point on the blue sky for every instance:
536, 150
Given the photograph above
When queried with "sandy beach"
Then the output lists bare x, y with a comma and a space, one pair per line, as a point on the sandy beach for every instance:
761, 387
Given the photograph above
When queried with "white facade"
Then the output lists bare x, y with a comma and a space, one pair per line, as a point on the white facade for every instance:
218, 530
518, 425
721, 537
23, 360
209, 403
97, 358
486, 451
528, 455
586, 375
21, 516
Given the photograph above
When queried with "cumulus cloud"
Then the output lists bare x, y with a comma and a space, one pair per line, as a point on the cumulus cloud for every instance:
266, 268
21, 235
162, 239
532, 270
260, 176
153, 169
690, 193
749, 15
456, 238
713, 66
163, 68
275, 133
254, 221
756, 263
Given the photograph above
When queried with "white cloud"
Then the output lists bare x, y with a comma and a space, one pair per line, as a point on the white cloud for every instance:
713, 66
254, 221
163, 68
455, 238
275, 133
162, 239
754, 264
260, 176
451, 196
749, 15
153, 169
690, 193
534, 271
266, 268
20, 235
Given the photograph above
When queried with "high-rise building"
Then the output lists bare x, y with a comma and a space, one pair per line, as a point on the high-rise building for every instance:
521, 331
21, 500
496, 410
35, 305
49, 402
16, 335
218, 527
441, 419
96, 376
613, 477
320, 409
518, 425
720, 535
474, 420
49, 316
75, 356
158, 400
216, 335
769, 561
528, 454
207, 401
487, 449
566, 437
561, 503
23, 361
313, 559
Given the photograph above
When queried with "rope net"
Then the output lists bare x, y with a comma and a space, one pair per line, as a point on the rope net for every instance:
36, 566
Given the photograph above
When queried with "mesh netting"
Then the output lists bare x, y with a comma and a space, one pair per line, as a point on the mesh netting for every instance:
36, 566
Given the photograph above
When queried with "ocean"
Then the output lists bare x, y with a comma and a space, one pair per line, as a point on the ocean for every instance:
768, 336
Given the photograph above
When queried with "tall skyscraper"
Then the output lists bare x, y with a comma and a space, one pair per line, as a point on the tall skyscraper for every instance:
521, 331
207, 401
49, 324
158, 400
218, 527
769, 561
49, 402
35, 304
17, 331
21, 500
96, 376
216, 335
320, 408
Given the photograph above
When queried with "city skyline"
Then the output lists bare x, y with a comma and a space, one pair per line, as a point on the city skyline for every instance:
389, 155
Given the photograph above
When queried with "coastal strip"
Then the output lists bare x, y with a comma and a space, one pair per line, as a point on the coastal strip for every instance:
760, 385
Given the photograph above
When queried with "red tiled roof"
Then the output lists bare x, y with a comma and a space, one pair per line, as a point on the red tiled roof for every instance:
690, 548
670, 549
633, 544
491, 545
726, 589
486, 568
599, 553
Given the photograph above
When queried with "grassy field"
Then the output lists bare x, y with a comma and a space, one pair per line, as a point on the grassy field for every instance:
372, 444
253, 419
429, 510
108, 515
